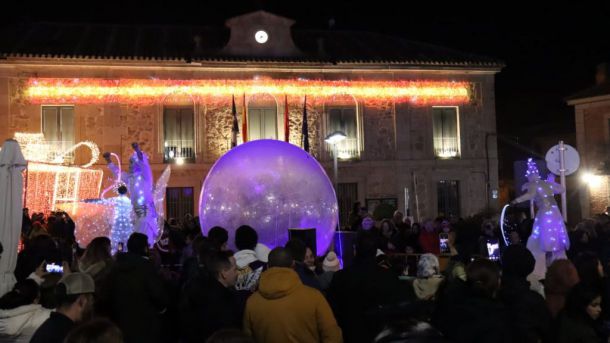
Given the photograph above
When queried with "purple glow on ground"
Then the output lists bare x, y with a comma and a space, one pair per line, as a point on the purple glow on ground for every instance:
272, 186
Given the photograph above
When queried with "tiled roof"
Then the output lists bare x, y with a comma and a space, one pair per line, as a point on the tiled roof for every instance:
157, 42
597, 90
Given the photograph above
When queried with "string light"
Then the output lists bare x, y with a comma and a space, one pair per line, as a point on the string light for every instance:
35, 148
49, 185
141, 91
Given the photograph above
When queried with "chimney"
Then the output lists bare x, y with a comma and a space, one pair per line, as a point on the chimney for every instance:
601, 74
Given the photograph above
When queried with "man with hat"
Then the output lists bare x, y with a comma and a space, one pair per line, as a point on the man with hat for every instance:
74, 294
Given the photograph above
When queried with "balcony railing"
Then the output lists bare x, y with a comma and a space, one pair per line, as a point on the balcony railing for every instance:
179, 151
347, 149
446, 147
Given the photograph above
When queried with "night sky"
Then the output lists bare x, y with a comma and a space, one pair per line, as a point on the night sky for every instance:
550, 51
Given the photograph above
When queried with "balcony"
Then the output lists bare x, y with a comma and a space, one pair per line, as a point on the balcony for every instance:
179, 151
347, 149
447, 147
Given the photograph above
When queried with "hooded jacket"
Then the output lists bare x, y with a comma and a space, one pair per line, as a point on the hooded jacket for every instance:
19, 324
285, 310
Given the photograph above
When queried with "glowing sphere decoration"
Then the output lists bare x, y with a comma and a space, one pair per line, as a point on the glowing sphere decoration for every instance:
272, 186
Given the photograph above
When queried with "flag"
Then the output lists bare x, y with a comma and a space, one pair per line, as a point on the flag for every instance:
286, 123
244, 122
235, 130
305, 128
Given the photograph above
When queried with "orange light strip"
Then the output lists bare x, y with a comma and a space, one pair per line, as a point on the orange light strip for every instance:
131, 91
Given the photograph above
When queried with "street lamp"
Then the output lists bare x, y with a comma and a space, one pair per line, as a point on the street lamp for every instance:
334, 139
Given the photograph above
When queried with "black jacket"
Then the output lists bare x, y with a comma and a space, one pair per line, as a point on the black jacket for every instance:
135, 298
530, 319
360, 290
53, 330
468, 317
207, 306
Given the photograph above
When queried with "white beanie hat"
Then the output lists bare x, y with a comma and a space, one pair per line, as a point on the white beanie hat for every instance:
262, 252
331, 262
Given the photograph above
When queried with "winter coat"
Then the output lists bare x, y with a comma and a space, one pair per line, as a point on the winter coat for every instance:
576, 330
284, 310
429, 242
135, 297
425, 288
19, 324
207, 306
530, 318
465, 316
249, 270
308, 277
358, 290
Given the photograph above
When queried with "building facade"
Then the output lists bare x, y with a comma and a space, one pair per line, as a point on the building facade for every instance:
419, 119
592, 116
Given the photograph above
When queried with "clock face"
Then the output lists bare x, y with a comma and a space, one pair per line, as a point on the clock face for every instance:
261, 36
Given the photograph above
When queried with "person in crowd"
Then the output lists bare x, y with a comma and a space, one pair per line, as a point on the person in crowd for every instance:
262, 252
388, 236
487, 232
40, 249
219, 236
428, 239
590, 269
398, 220
210, 303
249, 267
475, 315
530, 317
428, 278
99, 330
578, 323
354, 219
368, 223
193, 265
561, 276
229, 336
75, 304
330, 265
20, 312
135, 295
361, 288
97, 259
310, 259
285, 310
409, 331
298, 251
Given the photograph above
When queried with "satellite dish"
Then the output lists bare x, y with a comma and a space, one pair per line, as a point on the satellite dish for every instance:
571, 159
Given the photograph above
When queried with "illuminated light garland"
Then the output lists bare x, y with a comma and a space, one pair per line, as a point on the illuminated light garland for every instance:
48, 185
36, 149
142, 91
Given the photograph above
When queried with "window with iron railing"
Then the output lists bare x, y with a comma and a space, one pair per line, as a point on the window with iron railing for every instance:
179, 201
344, 119
448, 196
446, 132
58, 130
179, 137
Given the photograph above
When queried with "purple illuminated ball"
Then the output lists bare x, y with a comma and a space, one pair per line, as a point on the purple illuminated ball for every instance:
272, 186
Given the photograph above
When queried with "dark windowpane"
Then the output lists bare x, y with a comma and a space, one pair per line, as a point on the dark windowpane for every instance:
178, 201
448, 197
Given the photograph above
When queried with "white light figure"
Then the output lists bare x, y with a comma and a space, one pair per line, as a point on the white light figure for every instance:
122, 223
549, 239
140, 185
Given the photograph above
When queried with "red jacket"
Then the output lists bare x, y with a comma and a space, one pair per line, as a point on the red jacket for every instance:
429, 242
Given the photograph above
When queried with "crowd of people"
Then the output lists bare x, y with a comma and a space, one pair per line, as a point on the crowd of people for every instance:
402, 286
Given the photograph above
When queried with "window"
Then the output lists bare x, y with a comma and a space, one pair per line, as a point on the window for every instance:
448, 198
178, 201
262, 123
179, 143
344, 119
347, 195
58, 128
446, 132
